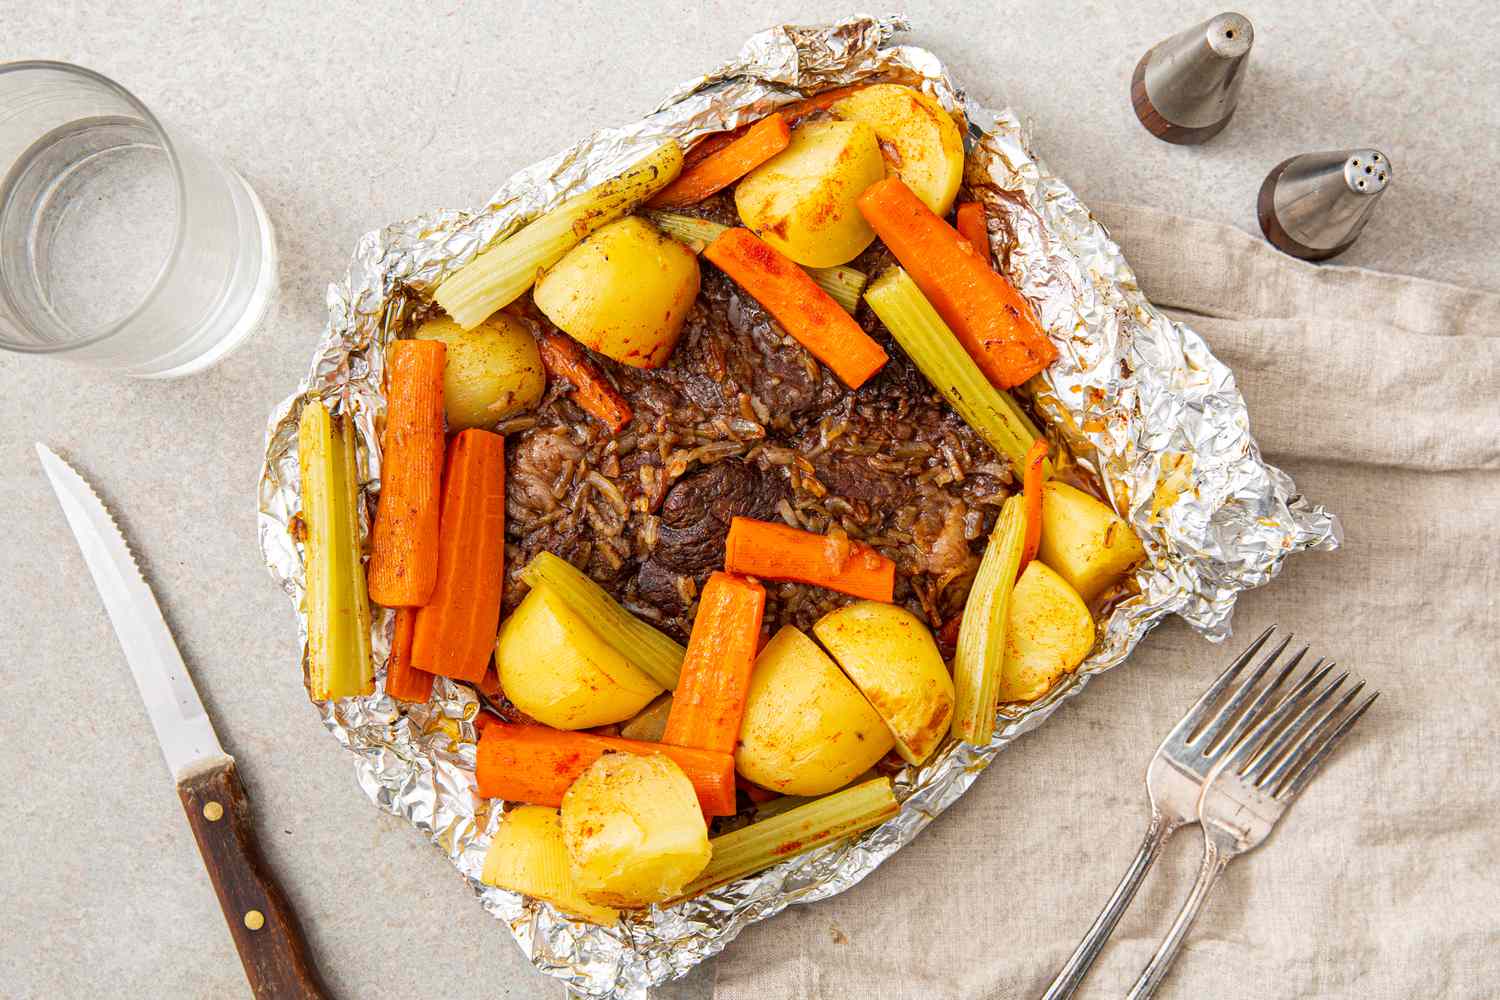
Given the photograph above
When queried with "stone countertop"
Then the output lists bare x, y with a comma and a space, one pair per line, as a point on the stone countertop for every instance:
347, 116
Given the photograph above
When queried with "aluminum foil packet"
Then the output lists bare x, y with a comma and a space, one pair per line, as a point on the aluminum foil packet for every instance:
1138, 398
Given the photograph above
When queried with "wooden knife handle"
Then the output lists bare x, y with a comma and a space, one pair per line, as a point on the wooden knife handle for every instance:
264, 927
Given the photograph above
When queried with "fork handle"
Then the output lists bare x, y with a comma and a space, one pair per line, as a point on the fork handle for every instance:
1077, 966
1214, 862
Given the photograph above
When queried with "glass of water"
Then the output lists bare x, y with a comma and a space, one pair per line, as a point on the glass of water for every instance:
121, 246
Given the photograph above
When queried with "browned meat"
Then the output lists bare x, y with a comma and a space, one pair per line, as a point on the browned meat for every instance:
742, 420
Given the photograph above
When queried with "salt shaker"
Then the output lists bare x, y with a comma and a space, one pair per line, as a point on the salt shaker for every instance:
1185, 88
1315, 205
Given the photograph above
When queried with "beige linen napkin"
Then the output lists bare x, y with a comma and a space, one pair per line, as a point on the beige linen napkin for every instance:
1378, 394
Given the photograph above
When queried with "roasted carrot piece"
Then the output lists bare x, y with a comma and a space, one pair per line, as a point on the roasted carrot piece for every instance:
1036, 463
710, 695
563, 357
802, 308
798, 110
754, 792
455, 631
709, 145
403, 556
402, 681
535, 764
988, 316
722, 168
776, 552
971, 225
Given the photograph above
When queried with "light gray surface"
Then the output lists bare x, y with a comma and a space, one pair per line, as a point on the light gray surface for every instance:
103, 893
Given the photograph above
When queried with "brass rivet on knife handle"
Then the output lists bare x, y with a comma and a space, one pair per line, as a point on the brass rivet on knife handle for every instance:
258, 915
1314, 206
1185, 88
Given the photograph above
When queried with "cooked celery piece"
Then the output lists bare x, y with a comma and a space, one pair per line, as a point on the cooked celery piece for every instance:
981, 636
528, 856
842, 283
923, 335
697, 233
337, 604
655, 654
499, 275
761, 845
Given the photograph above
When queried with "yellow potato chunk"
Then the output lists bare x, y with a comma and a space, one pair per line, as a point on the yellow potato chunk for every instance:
634, 831
1085, 541
558, 671
624, 292
1048, 633
528, 856
921, 142
802, 200
493, 371
891, 657
806, 728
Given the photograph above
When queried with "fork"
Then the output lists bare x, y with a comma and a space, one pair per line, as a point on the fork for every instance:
1253, 787
1183, 764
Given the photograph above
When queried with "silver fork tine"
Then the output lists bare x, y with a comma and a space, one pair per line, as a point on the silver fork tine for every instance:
1222, 744
1294, 785
1210, 697
1262, 774
1272, 721
1292, 732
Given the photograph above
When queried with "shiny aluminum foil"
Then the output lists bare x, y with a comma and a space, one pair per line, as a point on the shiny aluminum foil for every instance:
1138, 398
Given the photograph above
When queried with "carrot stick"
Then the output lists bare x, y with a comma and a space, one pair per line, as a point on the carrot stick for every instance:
403, 563
563, 357
709, 145
722, 168
710, 695
799, 110
1036, 460
535, 764
971, 225
455, 631
402, 682
776, 552
802, 308
988, 316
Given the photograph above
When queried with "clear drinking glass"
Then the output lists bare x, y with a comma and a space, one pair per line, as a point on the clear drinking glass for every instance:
121, 246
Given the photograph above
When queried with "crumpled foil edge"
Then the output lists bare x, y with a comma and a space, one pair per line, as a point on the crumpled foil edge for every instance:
1139, 399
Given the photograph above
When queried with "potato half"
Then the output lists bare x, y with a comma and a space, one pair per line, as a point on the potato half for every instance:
1084, 540
558, 671
921, 142
634, 831
624, 292
1048, 633
493, 371
891, 657
806, 728
528, 856
802, 200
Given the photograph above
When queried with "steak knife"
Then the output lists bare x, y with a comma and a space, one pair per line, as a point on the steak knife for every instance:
264, 928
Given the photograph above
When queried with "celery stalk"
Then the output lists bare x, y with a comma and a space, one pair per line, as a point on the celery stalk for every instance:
981, 638
337, 604
921, 332
657, 655
499, 275
771, 841
842, 283
695, 232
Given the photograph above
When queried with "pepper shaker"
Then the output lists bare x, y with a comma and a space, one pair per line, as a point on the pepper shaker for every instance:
1185, 87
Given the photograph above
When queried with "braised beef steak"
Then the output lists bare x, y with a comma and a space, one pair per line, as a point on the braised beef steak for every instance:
743, 421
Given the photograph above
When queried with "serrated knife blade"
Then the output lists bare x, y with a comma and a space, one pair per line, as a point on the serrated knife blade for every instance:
182, 726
